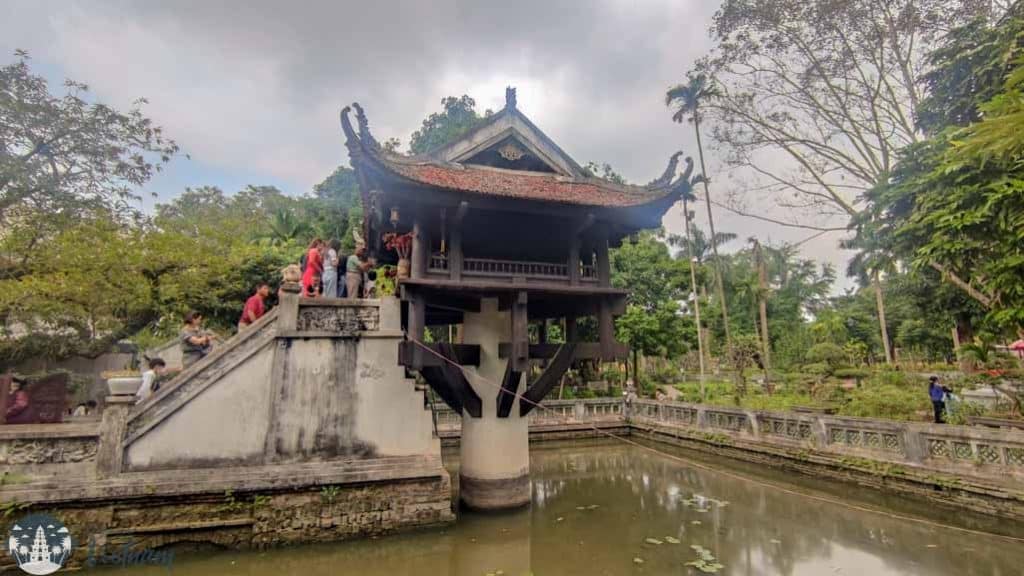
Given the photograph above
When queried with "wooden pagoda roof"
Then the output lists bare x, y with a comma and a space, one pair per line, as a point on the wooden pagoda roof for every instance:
566, 183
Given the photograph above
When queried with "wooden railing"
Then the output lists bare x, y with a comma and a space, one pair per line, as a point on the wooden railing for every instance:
494, 268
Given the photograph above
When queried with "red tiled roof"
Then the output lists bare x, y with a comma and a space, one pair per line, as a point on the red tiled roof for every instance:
524, 185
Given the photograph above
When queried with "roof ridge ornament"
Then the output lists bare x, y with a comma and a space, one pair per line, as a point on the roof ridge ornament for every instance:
670, 171
364, 127
510, 98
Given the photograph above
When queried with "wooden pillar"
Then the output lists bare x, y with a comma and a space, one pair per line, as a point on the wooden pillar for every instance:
574, 260
542, 332
416, 327
605, 329
604, 269
520, 359
571, 334
455, 247
420, 249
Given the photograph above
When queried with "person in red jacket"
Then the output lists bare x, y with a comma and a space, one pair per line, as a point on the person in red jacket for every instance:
17, 403
314, 268
254, 306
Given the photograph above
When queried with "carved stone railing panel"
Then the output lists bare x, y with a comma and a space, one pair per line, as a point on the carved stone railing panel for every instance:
975, 451
735, 422
38, 450
865, 439
794, 429
345, 320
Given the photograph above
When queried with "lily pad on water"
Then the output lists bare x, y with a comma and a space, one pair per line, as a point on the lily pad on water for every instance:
695, 522
638, 560
706, 561
774, 541
593, 507
654, 541
671, 540
581, 507
559, 519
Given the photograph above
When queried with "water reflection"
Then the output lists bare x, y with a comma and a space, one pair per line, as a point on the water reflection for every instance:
594, 506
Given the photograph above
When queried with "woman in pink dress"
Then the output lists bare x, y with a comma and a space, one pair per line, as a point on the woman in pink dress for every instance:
314, 268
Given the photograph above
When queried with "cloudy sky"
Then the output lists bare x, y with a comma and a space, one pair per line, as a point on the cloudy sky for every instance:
251, 90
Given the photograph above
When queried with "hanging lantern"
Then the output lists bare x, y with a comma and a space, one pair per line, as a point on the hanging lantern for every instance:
394, 216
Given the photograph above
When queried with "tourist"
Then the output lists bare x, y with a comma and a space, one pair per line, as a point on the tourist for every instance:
314, 266
330, 276
157, 366
18, 402
937, 393
312, 289
370, 289
84, 409
255, 306
354, 268
196, 343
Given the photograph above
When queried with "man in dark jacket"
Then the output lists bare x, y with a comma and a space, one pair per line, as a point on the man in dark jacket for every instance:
937, 393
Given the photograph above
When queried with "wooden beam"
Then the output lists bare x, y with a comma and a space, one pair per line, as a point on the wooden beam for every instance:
584, 351
455, 255
509, 388
461, 354
520, 358
536, 392
487, 286
451, 385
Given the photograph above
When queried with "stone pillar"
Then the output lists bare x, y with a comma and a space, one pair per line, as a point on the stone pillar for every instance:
494, 471
110, 457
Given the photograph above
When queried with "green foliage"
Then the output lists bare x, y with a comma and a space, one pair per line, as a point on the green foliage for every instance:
63, 156
887, 401
604, 171
827, 353
652, 323
457, 117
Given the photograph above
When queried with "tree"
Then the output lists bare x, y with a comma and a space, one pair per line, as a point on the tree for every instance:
686, 99
604, 170
62, 155
953, 202
457, 117
830, 88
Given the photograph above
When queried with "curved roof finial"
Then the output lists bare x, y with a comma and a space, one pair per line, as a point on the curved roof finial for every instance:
670, 171
510, 98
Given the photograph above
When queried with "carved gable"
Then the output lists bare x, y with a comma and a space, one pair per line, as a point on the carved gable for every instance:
511, 141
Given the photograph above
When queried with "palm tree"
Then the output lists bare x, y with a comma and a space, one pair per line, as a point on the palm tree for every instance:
697, 246
872, 259
687, 198
686, 99
762, 301
285, 228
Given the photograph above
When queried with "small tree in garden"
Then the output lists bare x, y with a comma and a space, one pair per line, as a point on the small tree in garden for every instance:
744, 353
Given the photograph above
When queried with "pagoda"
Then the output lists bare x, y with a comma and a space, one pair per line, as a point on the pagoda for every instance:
506, 229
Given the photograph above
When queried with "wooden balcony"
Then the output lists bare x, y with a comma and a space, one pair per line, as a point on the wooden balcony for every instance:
511, 270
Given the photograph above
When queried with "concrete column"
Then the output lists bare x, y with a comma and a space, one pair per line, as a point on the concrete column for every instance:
494, 472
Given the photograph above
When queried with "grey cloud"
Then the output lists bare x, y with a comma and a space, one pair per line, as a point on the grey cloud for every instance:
254, 87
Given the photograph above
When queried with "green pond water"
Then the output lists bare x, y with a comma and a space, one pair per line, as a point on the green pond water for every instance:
596, 504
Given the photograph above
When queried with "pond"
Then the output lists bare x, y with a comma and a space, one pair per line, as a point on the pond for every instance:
612, 508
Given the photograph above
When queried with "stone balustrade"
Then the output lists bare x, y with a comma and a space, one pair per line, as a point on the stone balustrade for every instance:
971, 450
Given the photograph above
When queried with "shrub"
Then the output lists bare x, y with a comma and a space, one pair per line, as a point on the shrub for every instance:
886, 401
613, 375
827, 353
